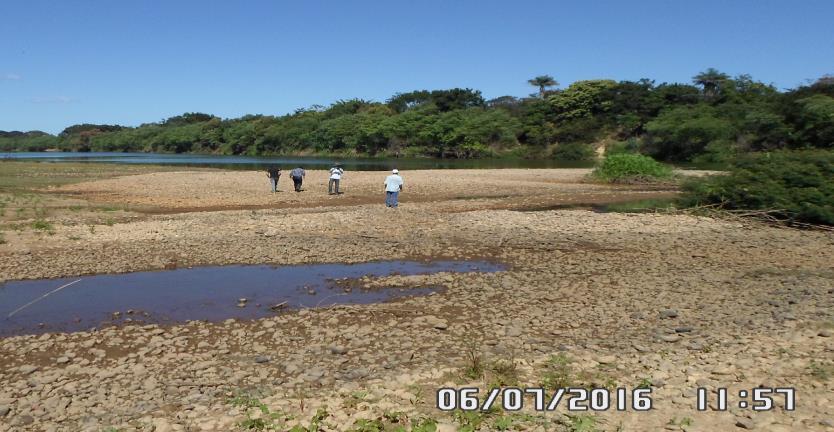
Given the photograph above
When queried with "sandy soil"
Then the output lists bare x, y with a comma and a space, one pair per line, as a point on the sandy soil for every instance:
668, 301
191, 191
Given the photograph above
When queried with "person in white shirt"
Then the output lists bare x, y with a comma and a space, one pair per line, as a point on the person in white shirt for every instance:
393, 187
335, 176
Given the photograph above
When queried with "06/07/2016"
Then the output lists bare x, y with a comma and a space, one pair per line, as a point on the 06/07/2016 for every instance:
513, 399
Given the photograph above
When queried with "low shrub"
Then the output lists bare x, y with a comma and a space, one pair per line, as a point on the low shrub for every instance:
791, 185
631, 168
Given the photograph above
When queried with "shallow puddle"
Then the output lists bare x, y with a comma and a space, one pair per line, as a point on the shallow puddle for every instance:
201, 293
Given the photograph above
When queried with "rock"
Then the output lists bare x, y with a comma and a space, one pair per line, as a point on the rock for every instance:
669, 313
607, 359
262, 359
824, 333
441, 325
338, 349
684, 329
24, 420
4, 409
669, 338
824, 422
62, 360
745, 423
27, 369
723, 370
357, 373
696, 346
513, 331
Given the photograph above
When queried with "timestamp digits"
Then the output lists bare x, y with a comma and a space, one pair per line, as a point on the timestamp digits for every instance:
540, 399
758, 399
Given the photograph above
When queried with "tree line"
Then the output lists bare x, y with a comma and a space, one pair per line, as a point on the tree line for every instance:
712, 119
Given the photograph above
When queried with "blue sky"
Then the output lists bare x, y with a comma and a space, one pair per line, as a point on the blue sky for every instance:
131, 62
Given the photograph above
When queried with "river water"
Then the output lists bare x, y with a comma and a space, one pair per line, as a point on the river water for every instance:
201, 293
253, 162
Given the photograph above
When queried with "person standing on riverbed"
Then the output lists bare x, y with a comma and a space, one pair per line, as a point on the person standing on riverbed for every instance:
393, 187
335, 177
274, 173
297, 175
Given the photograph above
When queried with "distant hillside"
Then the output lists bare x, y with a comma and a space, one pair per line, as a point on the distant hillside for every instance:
711, 120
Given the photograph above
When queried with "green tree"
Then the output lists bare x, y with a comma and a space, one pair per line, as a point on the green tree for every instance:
681, 133
815, 121
583, 99
543, 82
712, 82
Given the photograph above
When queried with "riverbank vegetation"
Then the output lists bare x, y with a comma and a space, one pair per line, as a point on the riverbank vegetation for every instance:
796, 187
631, 168
713, 119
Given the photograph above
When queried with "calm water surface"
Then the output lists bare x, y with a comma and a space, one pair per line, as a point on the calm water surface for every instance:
251, 162
201, 293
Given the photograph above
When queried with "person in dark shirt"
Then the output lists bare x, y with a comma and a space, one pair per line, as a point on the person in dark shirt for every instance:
274, 173
297, 175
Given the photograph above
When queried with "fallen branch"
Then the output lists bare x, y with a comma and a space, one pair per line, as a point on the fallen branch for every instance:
41, 298
332, 295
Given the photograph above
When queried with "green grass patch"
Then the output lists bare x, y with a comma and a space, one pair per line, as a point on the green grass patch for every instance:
822, 371
42, 225
631, 168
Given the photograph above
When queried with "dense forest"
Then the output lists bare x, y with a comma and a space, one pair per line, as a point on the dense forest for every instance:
712, 119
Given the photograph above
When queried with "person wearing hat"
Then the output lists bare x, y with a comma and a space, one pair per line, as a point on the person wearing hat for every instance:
335, 176
393, 187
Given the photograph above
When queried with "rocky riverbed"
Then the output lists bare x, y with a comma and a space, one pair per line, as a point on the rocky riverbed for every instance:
667, 302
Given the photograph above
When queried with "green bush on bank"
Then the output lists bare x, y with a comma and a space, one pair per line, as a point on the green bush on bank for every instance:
798, 185
631, 168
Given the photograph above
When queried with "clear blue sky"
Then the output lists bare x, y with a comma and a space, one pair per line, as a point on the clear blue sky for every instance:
131, 62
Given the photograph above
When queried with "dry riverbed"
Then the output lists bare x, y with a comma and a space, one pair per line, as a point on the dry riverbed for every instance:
669, 302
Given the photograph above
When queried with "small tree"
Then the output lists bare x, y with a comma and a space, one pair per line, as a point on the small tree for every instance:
543, 82
712, 81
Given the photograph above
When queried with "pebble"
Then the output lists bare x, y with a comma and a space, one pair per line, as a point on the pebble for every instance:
4, 409
824, 333
669, 313
607, 359
745, 423
27, 369
338, 349
669, 338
